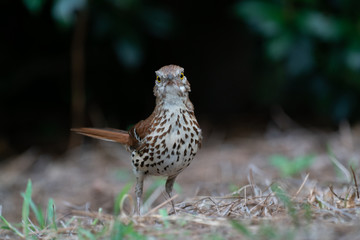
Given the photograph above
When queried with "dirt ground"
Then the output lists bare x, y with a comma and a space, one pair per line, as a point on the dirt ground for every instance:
90, 176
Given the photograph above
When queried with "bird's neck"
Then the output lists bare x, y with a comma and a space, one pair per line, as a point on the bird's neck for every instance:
173, 103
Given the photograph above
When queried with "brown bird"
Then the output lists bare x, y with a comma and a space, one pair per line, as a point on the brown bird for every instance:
166, 142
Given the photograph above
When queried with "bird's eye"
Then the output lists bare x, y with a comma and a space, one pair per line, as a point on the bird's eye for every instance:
181, 75
158, 79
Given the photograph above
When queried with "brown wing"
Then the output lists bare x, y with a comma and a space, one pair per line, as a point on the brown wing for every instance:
112, 135
141, 130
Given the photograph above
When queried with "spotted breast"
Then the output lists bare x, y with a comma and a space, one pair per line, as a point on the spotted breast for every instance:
173, 140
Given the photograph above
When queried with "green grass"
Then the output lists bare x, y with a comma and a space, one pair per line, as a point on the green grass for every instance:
120, 198
121, 231
290, 167
265, 231
8, 226
46, 224
26, 209
209, 217
159, 183
28, 226
241, 228
285, 199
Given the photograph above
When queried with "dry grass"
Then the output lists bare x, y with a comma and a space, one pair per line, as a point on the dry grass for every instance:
254, 211
230, 202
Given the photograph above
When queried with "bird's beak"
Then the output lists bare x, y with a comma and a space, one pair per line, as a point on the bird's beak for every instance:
172, 82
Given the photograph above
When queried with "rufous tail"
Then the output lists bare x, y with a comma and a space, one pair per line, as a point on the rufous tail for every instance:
112, 135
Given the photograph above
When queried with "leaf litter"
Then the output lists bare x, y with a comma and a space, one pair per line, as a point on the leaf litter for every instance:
321, 202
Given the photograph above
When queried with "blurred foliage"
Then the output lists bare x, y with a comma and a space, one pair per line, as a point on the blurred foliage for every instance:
125, 22
264, 231
312, 49
290, 167
34, 6
120, 198
301, 55
160, 183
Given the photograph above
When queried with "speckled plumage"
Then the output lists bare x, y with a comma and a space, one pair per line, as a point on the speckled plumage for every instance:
166, 142
170, 146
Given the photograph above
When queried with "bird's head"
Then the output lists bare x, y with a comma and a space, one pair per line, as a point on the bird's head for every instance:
171, 82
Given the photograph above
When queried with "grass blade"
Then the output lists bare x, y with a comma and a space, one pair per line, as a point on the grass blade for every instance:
241, 228
11, 227
122, 231
38, 214
355, 182
26, 209
164, 215
282, 196
51, 218
85, 234
120, 197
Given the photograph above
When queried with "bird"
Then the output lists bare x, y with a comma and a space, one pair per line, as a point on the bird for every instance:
166, 142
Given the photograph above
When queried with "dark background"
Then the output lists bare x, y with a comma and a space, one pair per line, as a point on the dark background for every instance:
243, 59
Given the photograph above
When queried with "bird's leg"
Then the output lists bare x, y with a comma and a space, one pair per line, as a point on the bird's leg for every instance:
139, 189
169, 187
